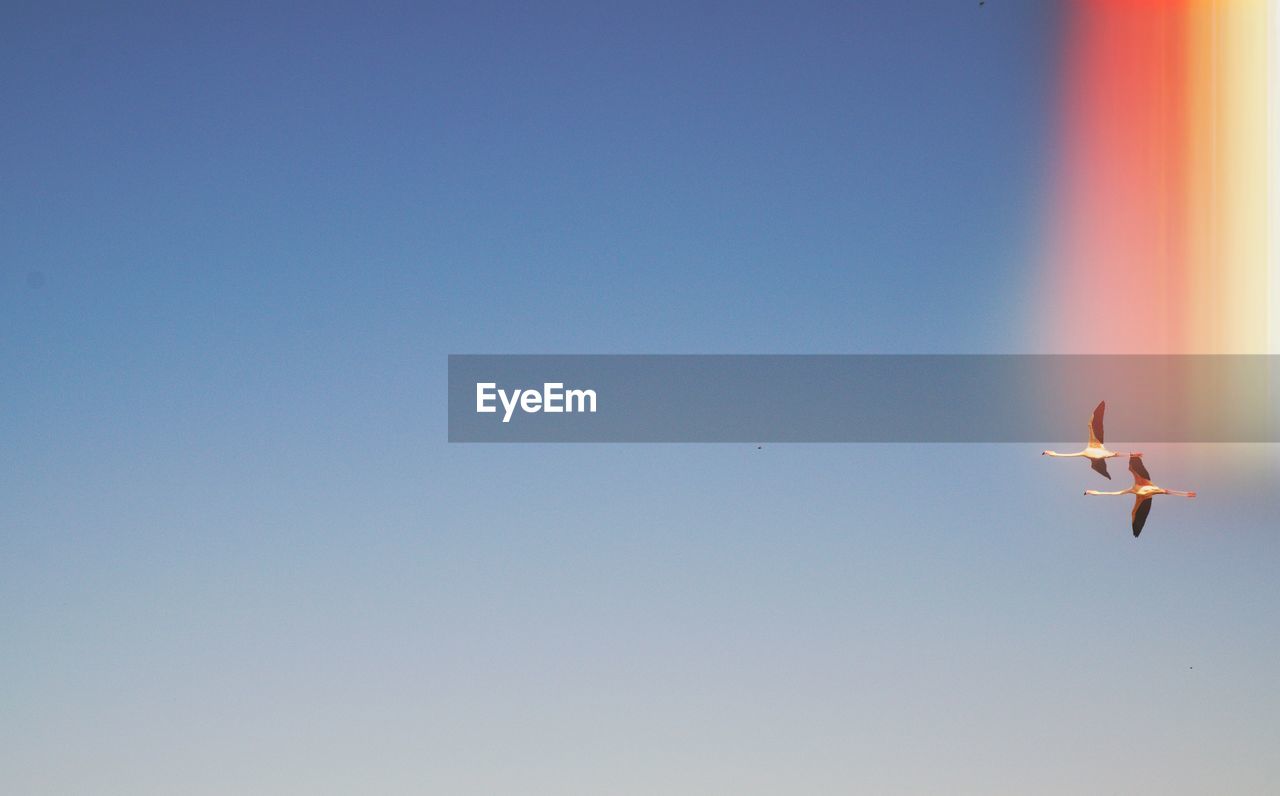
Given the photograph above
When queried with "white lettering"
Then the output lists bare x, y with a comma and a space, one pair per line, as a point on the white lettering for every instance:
581, 396
510, 406
551, 393
531, 401
552, 398
483, 396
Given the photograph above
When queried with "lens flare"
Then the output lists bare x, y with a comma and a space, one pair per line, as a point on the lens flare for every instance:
1164, 190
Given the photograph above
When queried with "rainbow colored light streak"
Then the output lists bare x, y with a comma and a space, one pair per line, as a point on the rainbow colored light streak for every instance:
1164, 197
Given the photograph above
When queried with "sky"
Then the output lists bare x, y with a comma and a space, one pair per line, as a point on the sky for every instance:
238, 554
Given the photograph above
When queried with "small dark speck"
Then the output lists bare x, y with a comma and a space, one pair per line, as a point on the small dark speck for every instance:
35, 280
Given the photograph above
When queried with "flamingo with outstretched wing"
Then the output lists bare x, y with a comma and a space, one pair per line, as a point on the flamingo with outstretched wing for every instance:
1096, 452
1142, 490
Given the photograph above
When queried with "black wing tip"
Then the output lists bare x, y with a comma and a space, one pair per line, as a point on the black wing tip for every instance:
1140, 512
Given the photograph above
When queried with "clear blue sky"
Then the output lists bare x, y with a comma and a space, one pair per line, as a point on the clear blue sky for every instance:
237, 554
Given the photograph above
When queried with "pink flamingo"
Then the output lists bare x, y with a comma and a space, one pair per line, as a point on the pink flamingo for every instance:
1144, 490
1095, 451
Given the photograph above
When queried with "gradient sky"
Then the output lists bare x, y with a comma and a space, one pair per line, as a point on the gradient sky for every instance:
237, 554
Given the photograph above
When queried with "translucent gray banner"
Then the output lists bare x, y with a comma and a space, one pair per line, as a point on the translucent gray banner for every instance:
861, 398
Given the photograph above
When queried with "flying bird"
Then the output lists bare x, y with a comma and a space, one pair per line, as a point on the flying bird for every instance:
1143, 490
1095, 452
